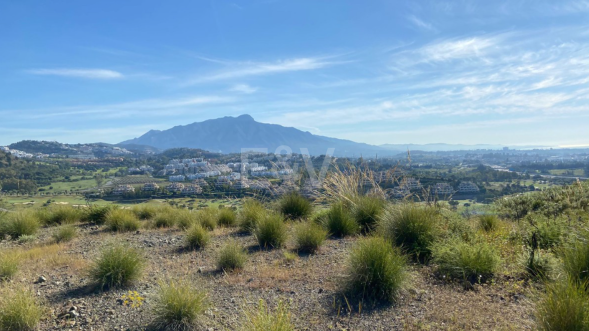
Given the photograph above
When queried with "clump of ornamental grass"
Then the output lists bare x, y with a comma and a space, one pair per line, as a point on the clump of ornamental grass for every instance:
320, 217
295, 206
249, 215
309, 236
122, 220
537, 264
61, 214
575, 258
145, 211
366, 210
65, 233
178, 305
376, 271
8, 266
19, 310
475, 262
564, 306
411, 227
207, 217
197, 237
185, 218
271, 231
488, 222
339, 222
97, 214
165, 219
232, 256
265, 319
18, 224
227, 217
118, 265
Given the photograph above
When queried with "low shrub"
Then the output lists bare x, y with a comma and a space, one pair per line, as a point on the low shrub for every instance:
488, 222
197, 237
475, 261
412, 227
564, 306
97, 214
207, 217
232, 256
320, 217
185, 218
376, 271
227, 217
8, 266
122, 220
295, 206
145, 211
265, 319
249, 215
118, 265
538, 264
58, 215
65, 233
178, 305
575, 258
271, 231
17, 224
366, 211
339, 222
309, 236
165, 219
19, 310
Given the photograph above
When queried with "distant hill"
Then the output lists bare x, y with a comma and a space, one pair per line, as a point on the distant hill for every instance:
441, 147
231, 134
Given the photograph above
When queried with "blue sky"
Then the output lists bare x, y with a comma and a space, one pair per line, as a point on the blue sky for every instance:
503, 72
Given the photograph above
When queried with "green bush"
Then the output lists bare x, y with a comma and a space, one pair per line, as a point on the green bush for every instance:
227, 217
320, 217
264, 319
197, 237
309, 236
575, 257
537, 264
65, 233
118, 265
122, 220
295, 206
145, 211
165, 219
339, 222
550, 233
564, 306
185, 218
58, 215
18, 224
8, 266
489, 223
271, 231
412, 227
19, 311
366, 211
207, 217
177, 306
475, 261
249, 215
232, 256
376, 271
97, 214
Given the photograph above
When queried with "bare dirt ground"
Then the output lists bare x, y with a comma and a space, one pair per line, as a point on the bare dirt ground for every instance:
309, 284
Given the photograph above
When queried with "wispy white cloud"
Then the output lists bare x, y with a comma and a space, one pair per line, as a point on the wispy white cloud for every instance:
246, 69
243, 88
79, 73
421, 24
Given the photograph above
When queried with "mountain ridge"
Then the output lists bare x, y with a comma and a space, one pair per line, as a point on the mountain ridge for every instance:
233, 134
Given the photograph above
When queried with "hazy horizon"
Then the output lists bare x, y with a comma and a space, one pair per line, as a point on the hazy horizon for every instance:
454, 72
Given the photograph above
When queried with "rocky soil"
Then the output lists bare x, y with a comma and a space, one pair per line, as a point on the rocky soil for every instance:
309, 284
